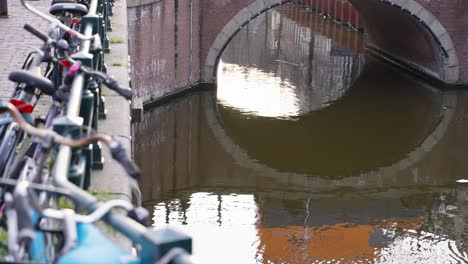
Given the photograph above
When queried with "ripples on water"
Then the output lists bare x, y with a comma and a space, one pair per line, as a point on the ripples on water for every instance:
310, 152
239, 228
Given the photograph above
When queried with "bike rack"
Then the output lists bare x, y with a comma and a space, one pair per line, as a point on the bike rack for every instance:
84, 107
86, 104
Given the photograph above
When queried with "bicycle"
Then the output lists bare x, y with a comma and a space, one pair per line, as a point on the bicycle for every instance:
135, 231
36, 186
30, 85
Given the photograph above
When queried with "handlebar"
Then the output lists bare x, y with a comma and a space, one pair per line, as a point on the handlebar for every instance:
108, 81
61, 166
118, 153
35, 32
43, 133
96, 215
55, 22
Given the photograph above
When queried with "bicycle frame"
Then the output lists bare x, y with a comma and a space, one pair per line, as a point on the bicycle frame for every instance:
131, 229
83, 241
22, 97
74, 115
134, 231
56, 22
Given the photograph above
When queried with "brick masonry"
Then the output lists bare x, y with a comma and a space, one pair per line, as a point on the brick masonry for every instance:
164, 47
452, 14
16, 43
175, 44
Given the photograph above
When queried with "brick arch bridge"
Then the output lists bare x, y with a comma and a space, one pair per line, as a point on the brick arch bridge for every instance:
415, 34
175, 45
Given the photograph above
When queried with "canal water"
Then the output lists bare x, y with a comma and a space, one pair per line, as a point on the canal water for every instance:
309, 151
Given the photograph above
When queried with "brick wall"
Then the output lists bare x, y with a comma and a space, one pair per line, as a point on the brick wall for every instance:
187, 43
164, 47
170, 40
453, 15
215, 14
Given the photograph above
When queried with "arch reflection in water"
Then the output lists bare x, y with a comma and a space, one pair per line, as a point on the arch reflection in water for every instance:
242, 207
381, 120
292, 65
252, 214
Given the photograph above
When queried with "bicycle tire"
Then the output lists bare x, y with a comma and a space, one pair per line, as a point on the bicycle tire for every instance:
12, 136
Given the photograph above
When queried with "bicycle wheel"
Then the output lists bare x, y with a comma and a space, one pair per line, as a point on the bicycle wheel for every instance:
12, 136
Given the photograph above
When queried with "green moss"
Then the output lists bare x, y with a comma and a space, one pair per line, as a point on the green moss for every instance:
100, 192
3, 242
65, 203
116, 40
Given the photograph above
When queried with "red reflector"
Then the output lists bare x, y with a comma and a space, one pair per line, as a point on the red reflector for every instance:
22, 106
65, 63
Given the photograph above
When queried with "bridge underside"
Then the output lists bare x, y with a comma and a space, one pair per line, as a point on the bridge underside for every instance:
410, 36
407, 35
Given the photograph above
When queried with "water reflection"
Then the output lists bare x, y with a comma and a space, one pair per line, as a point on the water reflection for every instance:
364, 176
265, 227
212, 218
371, 127
250, 214
292, 65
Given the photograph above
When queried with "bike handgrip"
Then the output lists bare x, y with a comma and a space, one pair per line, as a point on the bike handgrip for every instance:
131, 168
126, 93
35, 32
113, 85
119, 154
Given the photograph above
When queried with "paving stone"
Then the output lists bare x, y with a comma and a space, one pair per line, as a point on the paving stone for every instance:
16, 43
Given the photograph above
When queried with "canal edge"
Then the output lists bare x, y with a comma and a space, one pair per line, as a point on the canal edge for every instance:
112, 182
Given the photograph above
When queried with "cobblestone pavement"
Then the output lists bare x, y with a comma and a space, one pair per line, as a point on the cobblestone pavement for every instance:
16, 43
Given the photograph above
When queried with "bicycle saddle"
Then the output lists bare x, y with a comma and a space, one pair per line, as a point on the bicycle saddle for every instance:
76, 9
40, 82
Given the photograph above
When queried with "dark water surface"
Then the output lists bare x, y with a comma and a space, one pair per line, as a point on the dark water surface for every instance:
310, 151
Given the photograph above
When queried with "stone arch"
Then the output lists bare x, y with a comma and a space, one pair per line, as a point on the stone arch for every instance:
239, 21
412, 12
447, 70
